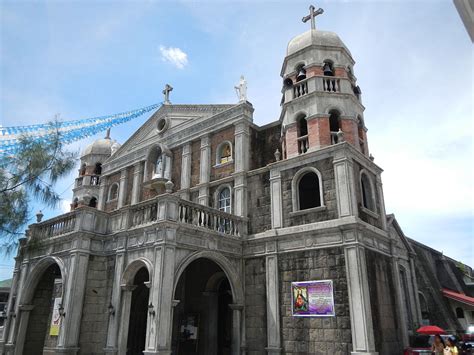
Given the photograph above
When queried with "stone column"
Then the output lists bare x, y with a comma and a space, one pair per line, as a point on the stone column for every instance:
399, 299
125, 316
236, 317
161, 296
359, 301
381, 202
345, 191
73, 299
418, 315
205, 170
186, 170
242, 147
122, 189
10, 306
137, 180
276, 199
273, 306
114, 320
24, 316
102, 193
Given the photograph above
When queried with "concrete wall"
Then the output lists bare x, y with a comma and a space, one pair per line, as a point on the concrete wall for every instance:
97, 297
385, 317
259, 200
326, 335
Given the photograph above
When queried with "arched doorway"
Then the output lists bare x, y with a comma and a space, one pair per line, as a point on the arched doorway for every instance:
202, 321
138, 313
41, 332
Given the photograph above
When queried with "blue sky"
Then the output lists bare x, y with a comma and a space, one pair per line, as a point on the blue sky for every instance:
414, 64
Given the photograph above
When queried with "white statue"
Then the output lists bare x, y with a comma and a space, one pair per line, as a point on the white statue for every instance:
241, 89
159, 167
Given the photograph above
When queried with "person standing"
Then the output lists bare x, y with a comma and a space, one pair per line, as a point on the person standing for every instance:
451, 348
438, 345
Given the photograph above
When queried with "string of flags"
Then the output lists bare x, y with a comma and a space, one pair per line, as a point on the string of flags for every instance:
69, 131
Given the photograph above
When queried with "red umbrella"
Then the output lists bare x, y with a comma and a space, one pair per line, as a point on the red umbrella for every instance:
430, 330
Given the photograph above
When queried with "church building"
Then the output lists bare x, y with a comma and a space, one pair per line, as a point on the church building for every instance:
205, 233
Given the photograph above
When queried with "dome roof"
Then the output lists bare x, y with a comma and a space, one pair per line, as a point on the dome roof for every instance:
100, 146
314, 37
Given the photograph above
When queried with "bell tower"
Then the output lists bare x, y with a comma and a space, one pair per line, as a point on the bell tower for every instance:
321, 102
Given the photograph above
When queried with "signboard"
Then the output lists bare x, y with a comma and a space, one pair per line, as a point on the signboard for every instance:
56, 318
312, 299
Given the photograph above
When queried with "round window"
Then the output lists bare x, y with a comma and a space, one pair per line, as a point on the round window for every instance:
162, 125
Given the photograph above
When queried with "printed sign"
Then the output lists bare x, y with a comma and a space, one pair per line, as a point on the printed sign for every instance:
312, 299
56, 318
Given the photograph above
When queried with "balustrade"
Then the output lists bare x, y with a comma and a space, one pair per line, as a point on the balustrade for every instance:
331, 84
144, 213
57, 226
303, 144
300, 89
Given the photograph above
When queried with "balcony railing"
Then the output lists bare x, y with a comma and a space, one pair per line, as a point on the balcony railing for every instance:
331, 84
300, 89
303, 144
162, 208
318, 83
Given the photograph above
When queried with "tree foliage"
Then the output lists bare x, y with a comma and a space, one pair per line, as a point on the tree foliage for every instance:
29, 175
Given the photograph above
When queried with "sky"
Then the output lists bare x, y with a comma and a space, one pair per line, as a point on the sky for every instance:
414, 64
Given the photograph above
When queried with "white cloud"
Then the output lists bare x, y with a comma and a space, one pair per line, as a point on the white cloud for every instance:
174, 56
65, 206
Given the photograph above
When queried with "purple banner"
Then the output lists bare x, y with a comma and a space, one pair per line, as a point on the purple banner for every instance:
312, 299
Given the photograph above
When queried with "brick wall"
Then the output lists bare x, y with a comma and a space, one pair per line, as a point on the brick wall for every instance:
176, 167
351, 134
322, 335
195, 162
95, 316
383, 304
326, 169
260, 218
129, 187
255, 306
291, 139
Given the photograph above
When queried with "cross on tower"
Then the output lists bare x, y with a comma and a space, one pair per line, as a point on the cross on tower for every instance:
312, 16
166, 92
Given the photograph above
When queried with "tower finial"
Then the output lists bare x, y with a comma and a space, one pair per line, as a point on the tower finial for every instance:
312, 16
107, 135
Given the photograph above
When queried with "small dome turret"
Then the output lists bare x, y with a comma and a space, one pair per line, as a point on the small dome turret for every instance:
315, 38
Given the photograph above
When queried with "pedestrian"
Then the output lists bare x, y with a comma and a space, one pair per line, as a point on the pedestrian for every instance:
438, 345
451, 348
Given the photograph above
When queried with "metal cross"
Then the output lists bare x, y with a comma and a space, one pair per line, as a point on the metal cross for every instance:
312, 16
166, 92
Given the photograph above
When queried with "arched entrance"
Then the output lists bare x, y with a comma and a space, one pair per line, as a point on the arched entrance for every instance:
138, 313
202, 321
41, 330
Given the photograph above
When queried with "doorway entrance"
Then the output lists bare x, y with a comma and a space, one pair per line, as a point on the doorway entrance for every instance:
40, 332
138, 313
202, 321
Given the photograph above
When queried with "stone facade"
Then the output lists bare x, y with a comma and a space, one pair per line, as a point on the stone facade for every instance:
192, 248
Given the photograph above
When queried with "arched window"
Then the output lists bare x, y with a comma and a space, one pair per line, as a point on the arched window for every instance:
302, 127
224, 153
368, 197
98, 169
93, 202
158, 163
334, 125
113, 192
302, 132
459, 313
328, 68
83, 169
308, 191
224, 200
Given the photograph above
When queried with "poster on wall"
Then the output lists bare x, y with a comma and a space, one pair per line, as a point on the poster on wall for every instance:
56, 318
312, 299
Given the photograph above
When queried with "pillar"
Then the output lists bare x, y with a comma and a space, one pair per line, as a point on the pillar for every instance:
205, 170
24, 316
137, 179
273, 307
359, 301
73, 299
114, 320
122, 189
276, 199
236, 318
125, 316
211, 299
186, 170
400, 305
381, 202
102, 193
345, 191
